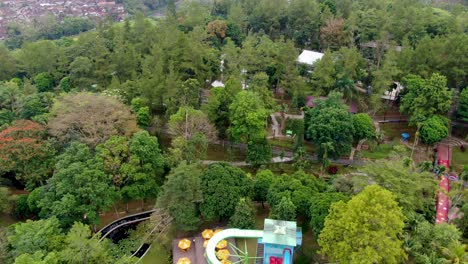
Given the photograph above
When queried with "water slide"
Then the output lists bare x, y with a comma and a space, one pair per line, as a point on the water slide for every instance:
228, 233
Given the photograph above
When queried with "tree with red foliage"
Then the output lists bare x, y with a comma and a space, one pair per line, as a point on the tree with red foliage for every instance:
25, 152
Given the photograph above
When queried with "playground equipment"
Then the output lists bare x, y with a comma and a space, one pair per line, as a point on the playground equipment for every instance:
279, 239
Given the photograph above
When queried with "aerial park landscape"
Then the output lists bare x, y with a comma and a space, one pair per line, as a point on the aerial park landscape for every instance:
233, 131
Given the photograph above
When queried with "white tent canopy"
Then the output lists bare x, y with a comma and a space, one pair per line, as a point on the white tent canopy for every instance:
309, 57
217, 84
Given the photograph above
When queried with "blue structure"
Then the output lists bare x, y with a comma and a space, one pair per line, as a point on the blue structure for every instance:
405, 136
279, 240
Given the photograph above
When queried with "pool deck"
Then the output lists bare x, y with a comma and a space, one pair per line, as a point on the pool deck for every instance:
196, 252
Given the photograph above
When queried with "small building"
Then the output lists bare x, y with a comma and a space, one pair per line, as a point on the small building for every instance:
309, 57
279, 240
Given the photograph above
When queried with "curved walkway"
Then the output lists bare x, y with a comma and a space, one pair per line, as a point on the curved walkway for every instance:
130, 219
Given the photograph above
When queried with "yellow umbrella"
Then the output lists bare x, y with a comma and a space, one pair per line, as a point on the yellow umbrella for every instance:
225, 261
184, 244
222, 244
205, 243
207, 233
184, 261
218, 230
223, 254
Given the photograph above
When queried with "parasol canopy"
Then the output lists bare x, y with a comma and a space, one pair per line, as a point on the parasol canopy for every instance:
218, 230
225, 261
207, 233
223, 254
184, 244
222, 244
184, 261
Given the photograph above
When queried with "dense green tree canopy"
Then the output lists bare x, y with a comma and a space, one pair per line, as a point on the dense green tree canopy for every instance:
462, 111
434, 129
88, 121
181, 195
222, 186
79, 188
330, 122
363, 126
248, 117
285, 210
298, 187
244, 215
319, 207
425, 97
366, 229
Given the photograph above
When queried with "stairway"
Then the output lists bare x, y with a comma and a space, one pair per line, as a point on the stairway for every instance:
453, 142
260, 251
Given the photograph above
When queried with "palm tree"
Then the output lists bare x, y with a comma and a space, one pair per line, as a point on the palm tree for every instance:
455, 252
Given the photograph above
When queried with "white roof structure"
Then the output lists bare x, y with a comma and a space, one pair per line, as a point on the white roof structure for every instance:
393, 94
309, 57
217, 84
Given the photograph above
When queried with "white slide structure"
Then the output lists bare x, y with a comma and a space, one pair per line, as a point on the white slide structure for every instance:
228, 233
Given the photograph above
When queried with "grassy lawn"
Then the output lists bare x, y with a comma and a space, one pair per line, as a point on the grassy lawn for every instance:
288, 143
157, 255
378, 152
392, 131
251, 245
459, 159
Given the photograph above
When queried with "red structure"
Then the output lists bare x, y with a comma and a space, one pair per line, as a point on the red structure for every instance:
443, 201
444, 155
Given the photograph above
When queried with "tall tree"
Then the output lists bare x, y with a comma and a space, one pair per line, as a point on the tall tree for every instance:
262, 183
364, 230
330, 122
285, 210
324, 74
248, 117
434, 129
462, 111
425, 97
7, 64
24, 151
181, 195
35, 236
222, 186
92, 121
363, 126
320, 206
244, 215
79, 189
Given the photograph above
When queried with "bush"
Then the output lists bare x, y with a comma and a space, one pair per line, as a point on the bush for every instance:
332, 170
22, 210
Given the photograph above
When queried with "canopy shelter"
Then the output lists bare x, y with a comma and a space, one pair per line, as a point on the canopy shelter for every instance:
184, 244
222, 244
184, 261
223, 254
309, 57
207, 233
